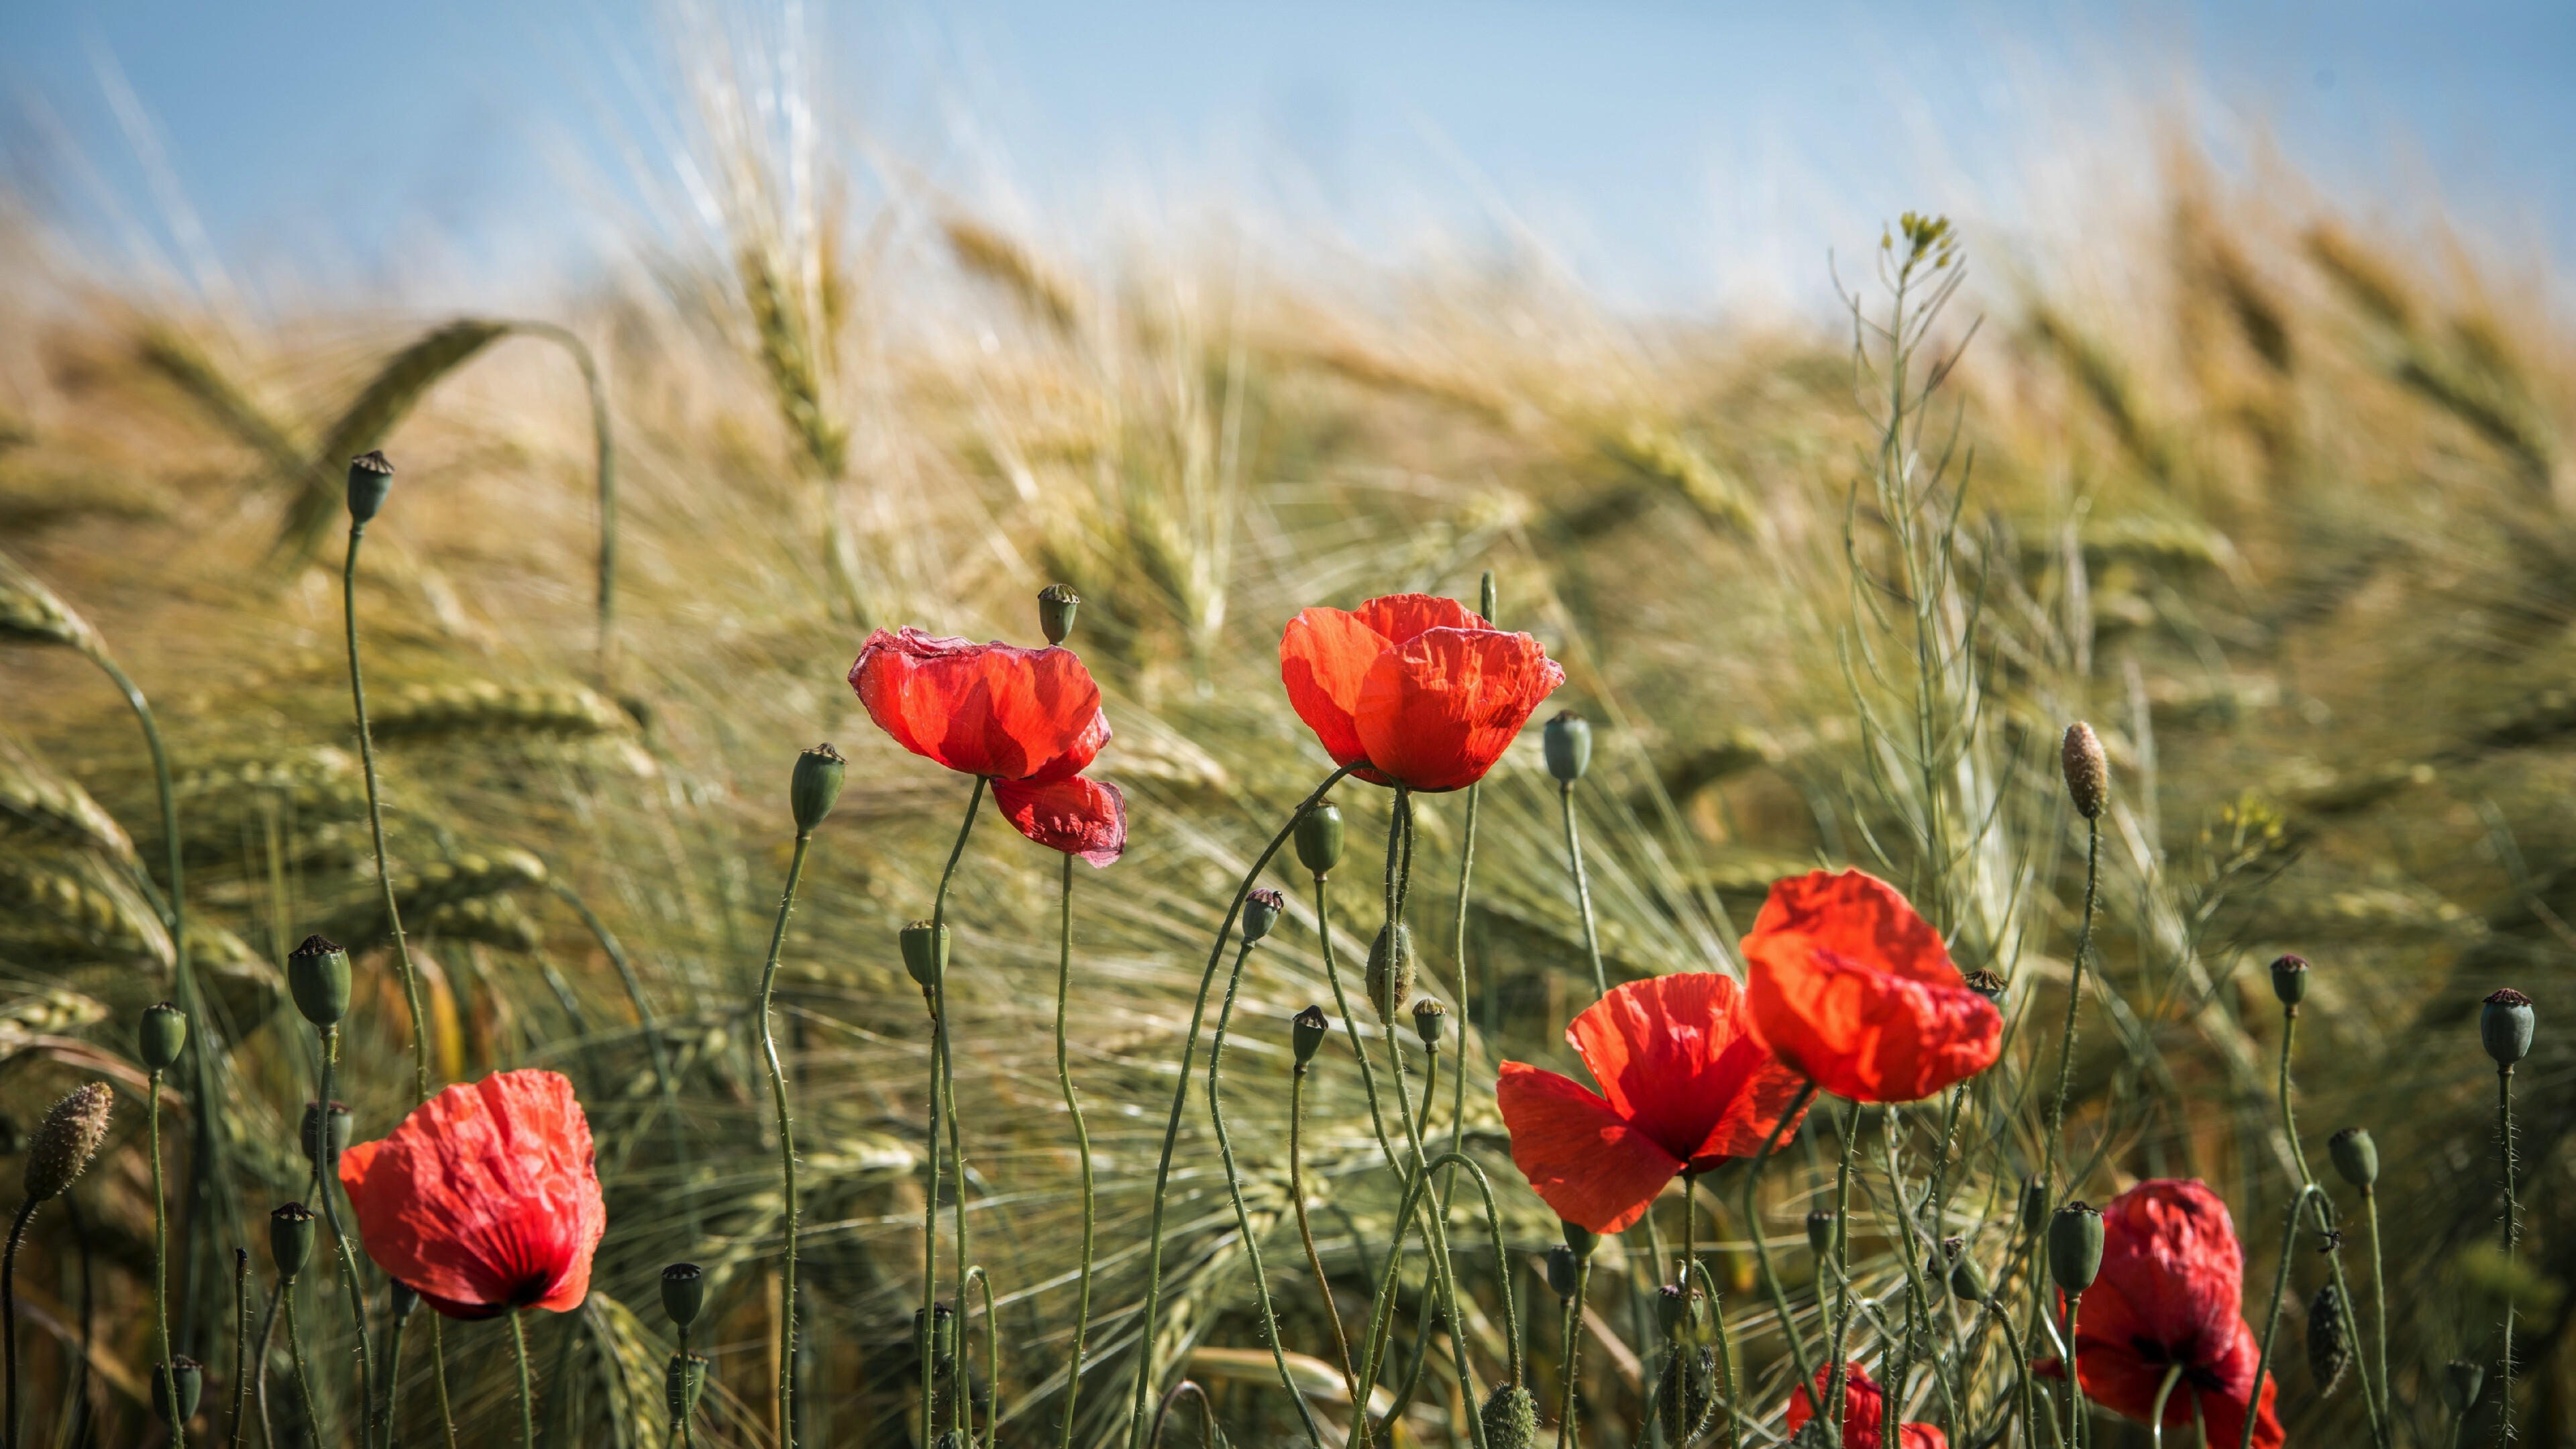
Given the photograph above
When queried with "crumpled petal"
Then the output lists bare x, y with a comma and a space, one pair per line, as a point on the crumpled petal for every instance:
1582, 1158
1674, 1056
1437, 711
994, 710
1849, 986
1080, 816
1323, 655
1864, 1412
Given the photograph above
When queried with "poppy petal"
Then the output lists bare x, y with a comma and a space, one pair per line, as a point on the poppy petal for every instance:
1080, 816
1864, 1412
1437, 711
982, 709
1675, 1056
1323, 655
1583, 1159
1846, 984
1399, 617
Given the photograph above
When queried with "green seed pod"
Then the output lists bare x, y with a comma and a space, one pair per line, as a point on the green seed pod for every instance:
815, 785
162, 1035
176, 1386
2329, 1341
1672, 1308
317, 976
290, 1239
2462, 1382
2034, 1205
925, 952
1511, 1418
370, 479
1428, 1015
1820, 1232
1306, 1033
1261, 911
1390, 971
1987, 984
2088, 772
1056, 603
2075, 1247
62, 1145
1319, 839
2290, 981
1567, 744
1564, 1271
684, 1293
2355, 1156
682, 1382
1967, 1280
2505, 1026
1580, 1239
340, 1129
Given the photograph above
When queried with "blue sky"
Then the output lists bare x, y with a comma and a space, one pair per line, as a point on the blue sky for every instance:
1670, 154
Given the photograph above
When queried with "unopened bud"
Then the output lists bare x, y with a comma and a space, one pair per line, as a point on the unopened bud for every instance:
1567, 744
2462, 1382
1306, 1033
317, 976
1390, 971
2290, 981
1428, 1015
162, 1035
2034, 1205
1580, 1239
815, 785
2088, 774
62, 1144
1511, 1418
1967, 1279
290, 1239
2075, 1247
1987, 984
1056, 603
1672, 1308
2505, 1026
684, 1293
307, 1132
176, 1386
1564, 1271
1319, 839
2355, 1156
1261, 911
370, 479
925, 952
1820, 1232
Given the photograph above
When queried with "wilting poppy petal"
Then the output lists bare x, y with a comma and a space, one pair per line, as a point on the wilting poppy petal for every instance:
1080, 816
1584, 1160
982, 709
1673, 1055
485, 1198
1438, 710
1846, 984
1323, 655
1864, 1412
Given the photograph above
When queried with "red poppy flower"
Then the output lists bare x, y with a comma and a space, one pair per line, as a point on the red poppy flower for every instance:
484, 1199
2171, 1291
1422, 688
1847, 985
1683, 1084
1029, 720
1864, 1413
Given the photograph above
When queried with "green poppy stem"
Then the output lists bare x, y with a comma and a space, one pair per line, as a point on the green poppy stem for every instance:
1572, 1338
1082, 1144
2056, 1143
2334, 1256
943, 1096
1582, 889
786, 1148
1306, 1230
2379, 1302
527, 1396
1836, 1364
389, 1378
326, 1168
2272, 1322
160, 1218
2512, 1240
295, 1355
2156, 1415
2075, 1375
241, 1343
438, 1375
1762, 1244
376, 822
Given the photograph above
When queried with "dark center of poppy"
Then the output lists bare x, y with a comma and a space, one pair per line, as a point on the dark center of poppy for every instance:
2196, 1370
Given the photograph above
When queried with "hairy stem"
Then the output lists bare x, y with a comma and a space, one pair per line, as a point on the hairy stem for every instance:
376, 824
1306, 1230
942, 1104
1582, 888
786, 1151
2512, 1241
527, 1396
160, 1217
2271, 1322
1762, 1244
1572, 1338
241, 1342
294, 1355
326, 1168
1082, 1144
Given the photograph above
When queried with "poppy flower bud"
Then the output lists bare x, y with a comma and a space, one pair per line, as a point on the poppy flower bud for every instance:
1056, 603
1564, 1271
2290, 981
1428, 1015
1319, 839
1581, 1239
684, 1293
2075, 1247
682, 1382
1390, 971
161, 1037
2329, 1343
1672, 1308
340, 1121
925, 952
1987, 984
2034, 1205
370, 479
1567, 743
62, 1144
1306, 1033
2355, 1156
2088, 773
2505, 1026
815, 785
1260, 912
176, 1386
1820, 1232
2462, 1382
317, 976
1967, 1280
1511, 1418
290, 1239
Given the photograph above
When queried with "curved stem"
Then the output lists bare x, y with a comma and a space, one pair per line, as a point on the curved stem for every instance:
1762, 1244
9, 1314
267, 1340
1572, 1339
2066, 1047
1725, 1352
160, 1217
2334, 1256
1351, 1024
389, 1378
326, 1167
527, 1397
943, 1097
2512, 1239
376, 823
653, 1045
241, 1342
1082, 1144
2156, 1415
2021, 1381
982, 1282
2075, 1375
786, 1150
1306, 1231
2379, 1304
1582, 888
295, 1355
2272, 1322
438, 1375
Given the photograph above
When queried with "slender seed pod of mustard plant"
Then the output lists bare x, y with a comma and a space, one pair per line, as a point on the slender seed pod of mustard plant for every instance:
2355, 1156
684, 1293
1306, 1033
1580, 1239
1261, 911
1511, 1418
317, 976
62, 1145
1056, 603
176, 1387
925, 952
1820, 1232
161, 1036
1319, 839
1567, 744
2290, 981
290, 1238
1564, 1271
2505, 1026
2088, 772
370, 479
2462, 1383
815, 785
1985, 983
1428, 1017
2075, 1247
2034, 1205
1390, 971
308, 1135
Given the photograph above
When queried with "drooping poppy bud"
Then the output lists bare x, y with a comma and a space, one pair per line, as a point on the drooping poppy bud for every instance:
370, 479
2075, 1247
1428, 1015
1261, 911
2462, 1382
62, 1145
162, 1035
2505, 1027
684, 1293
1319, 839
2290, 981
1567, 743
2034, 1205
2355, 1156
1987, 984
1306, 1033
1580, 1239
1511, 1418
1390, 971
1056, 603
290, 1239
317, 976
176, 1386
312, 1125
815, 785
1564, 1271
682, 1381
2088, 773
925, 952
2329, 1343
1820, 1232
1967, 1280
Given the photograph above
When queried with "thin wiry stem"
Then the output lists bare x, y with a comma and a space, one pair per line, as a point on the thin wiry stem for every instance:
9, 1311
942, 1096
376, 823
1306, 1230
2066, 1046
1572, 1338
160, 1219
326, 1171
527, 1396
295, 1355
2334, 1255
1082, 1144
1582, 889
241, 1337
1762, 1244
2156, 1415
2075, 1372
2271, 1322
2379, 1302
2512, 1240
786, 1151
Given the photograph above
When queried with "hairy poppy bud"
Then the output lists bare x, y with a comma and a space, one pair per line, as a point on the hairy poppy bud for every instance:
1564, 1271
1567, 743
1260, 912
2075, 1247
317, 976
175, 1388
2355, 1156
2088, 774
684, 1293
2290, 981
925, 952
290, 1239
1319, 839
1056, 603
2034, 1205
1987, 984
340, 1127
370, 479
2462, 1382
1820, 1232
815, 785
161, 1037
1390, 971
682, 1382
1427, 1018
2329, 1343
62, 1144
1511, 1418
2505, 1026
1581, 1239
1306, 1033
